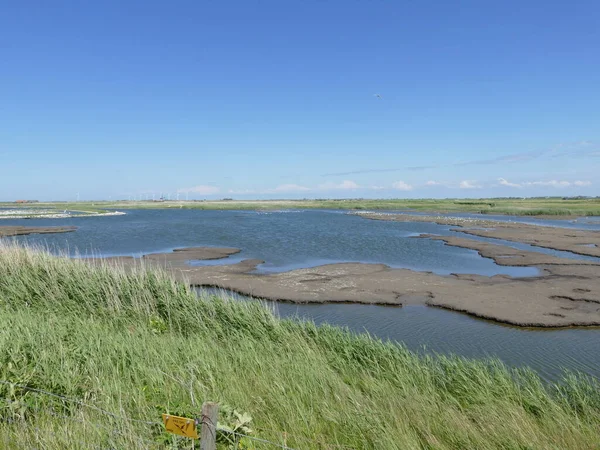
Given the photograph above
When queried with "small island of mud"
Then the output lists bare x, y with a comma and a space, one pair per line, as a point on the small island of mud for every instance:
6, 231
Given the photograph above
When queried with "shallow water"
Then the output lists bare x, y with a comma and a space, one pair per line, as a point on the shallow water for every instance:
284, 240
426, 329
288, 240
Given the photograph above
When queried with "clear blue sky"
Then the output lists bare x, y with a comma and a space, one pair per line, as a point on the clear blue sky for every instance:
276, 99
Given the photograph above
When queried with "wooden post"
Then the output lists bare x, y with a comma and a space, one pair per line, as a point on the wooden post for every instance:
208, 432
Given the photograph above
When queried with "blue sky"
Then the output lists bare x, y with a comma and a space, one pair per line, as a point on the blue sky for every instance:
272, 99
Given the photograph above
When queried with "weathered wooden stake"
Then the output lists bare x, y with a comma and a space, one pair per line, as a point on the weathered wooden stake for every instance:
208, 432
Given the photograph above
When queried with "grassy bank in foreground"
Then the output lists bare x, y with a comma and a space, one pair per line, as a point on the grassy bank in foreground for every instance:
139, 344
520, 207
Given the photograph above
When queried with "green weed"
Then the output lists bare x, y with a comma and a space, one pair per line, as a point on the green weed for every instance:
136, 344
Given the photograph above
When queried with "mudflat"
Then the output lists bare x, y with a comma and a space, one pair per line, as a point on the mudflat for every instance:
507, 256
19, 230
583, 242
566, 293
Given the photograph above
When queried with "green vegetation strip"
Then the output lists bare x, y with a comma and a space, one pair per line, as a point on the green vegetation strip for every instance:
553, 206
137, 344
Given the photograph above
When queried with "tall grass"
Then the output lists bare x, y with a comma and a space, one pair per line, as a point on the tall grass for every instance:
137, 344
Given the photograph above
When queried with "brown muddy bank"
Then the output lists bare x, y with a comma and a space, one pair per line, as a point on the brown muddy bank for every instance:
20, 231
582, 242
508, 256
567, 293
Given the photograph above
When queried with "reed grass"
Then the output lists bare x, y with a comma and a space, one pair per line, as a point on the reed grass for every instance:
138, 344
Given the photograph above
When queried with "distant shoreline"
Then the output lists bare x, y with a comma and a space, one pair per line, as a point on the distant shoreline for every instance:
551, 208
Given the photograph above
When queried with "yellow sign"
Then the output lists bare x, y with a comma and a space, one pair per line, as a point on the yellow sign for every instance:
180, 425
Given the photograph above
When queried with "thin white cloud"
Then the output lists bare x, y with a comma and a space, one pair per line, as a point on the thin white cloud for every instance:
402, 186
551, 183
283, 188
583, 149
290, 188
347, 184
242, 191
344, 185
504, 182
469, 184
200, 189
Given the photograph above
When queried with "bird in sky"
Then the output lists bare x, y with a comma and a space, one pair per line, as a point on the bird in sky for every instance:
378, 96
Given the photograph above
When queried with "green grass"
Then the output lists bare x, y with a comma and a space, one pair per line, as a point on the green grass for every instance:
137, 344
553, 206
